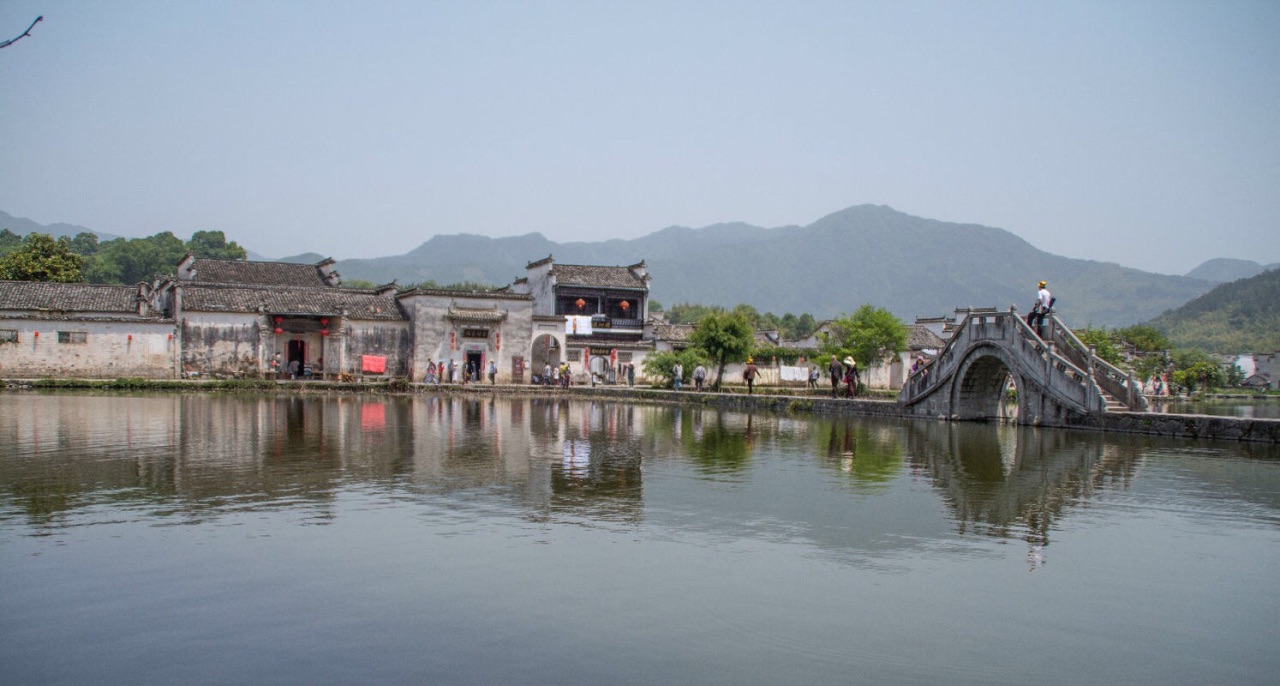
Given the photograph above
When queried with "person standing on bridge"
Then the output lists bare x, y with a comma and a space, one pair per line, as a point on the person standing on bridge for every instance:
1044, 301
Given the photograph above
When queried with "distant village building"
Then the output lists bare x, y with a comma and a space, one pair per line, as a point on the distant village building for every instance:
83, 330
589, 316
235, 316
1266, 371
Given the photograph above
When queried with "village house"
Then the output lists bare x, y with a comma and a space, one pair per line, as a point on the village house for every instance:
83, 330
234, 317
589, 316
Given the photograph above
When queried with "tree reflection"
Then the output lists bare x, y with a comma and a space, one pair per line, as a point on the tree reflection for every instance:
715, 447
868, 453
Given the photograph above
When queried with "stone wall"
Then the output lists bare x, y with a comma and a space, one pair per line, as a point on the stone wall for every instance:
89, 349
222, 344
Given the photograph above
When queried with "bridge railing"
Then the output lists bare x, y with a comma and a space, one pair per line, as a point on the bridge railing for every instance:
1115, 381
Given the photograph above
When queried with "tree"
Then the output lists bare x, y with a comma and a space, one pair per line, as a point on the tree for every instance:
1144, 338
135, 260
869, 335
1101, 341
725, 338
85, 244
662, 365
213, 245
41, 258
9, 241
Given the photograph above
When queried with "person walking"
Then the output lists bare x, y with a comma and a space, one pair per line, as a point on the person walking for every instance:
750, 375
493, 372
699, 376
631, 376
813, 377
837, 373
677, 375
851, 378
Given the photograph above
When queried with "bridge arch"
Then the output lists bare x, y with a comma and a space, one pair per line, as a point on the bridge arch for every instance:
981, 384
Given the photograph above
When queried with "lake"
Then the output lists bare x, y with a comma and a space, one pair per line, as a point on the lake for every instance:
281, 539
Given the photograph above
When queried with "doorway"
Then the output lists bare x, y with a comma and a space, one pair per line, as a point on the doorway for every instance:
474, 365
296, 351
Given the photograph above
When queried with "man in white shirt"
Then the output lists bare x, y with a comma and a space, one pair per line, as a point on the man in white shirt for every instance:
1044, 300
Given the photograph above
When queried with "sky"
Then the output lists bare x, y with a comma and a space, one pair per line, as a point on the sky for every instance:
1142, 133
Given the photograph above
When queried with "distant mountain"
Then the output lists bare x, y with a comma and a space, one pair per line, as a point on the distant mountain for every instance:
304, 258
1238, 317
23, 226
864, 254
1224, 269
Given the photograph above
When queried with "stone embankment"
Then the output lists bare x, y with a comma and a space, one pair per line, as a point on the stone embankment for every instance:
1205, 427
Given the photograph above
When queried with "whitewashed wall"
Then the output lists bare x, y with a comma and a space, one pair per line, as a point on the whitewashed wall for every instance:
110, 350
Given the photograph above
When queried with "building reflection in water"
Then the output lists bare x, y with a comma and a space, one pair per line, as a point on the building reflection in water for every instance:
189, 456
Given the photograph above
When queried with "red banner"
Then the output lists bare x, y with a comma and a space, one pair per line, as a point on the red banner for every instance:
373, 364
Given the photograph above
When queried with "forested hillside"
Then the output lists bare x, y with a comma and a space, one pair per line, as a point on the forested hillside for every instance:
865, 254
1237, 317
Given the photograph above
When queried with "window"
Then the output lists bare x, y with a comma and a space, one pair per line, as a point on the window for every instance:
73, 337
8, 335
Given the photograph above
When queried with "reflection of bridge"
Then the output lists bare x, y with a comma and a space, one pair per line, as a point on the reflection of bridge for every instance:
1059, 380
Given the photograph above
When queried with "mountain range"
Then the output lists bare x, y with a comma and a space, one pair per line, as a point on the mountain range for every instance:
863, 254
1236, 317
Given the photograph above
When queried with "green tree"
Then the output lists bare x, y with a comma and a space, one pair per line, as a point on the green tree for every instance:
1102, 343
1144, 338
41, 258
1150, 365
662, 365
135, 260
85, 244
9, 241
869, 336
724, 337
688, 313
213, 245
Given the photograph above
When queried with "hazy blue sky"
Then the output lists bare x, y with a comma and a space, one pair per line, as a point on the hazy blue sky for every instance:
1144, 133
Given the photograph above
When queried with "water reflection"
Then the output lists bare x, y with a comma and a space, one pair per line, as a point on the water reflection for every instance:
192, 455
1009, 481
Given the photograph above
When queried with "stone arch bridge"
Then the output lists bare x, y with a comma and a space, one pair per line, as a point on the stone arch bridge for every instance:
1059, 380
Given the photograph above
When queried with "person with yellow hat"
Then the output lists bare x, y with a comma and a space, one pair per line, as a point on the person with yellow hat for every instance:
1044, 301
750, 375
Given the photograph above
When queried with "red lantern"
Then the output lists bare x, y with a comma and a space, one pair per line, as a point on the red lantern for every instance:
324, 321
279, 319
625, 306
37, 334
324, 332
171, 337
580, 303
130, 338
279, 331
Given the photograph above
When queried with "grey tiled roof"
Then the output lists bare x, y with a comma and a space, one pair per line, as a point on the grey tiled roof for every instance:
919, 337
258, 273
596, 277
358, 302
468, 314
68, 297
672, 332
